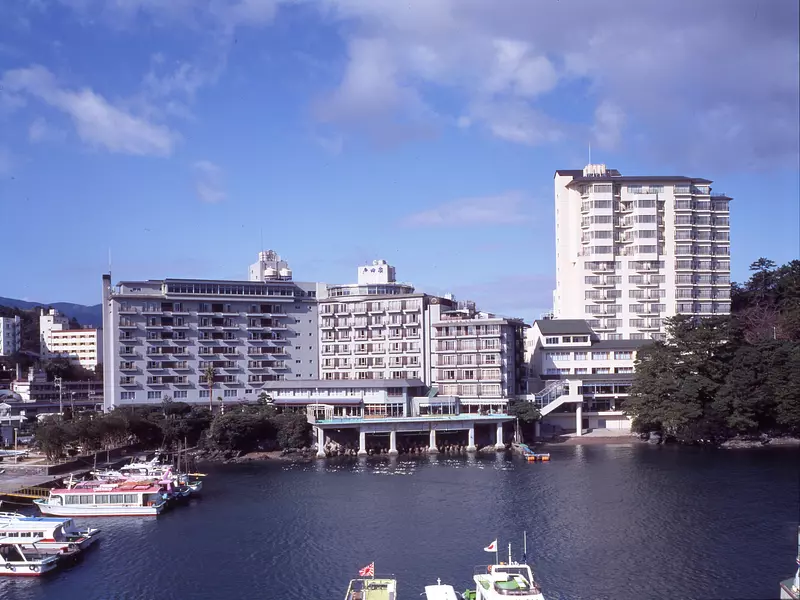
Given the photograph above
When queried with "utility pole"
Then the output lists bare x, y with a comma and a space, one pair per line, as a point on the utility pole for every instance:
57, 382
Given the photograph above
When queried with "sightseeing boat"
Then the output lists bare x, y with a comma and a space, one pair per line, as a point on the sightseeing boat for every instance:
16, 560
369, 587
501, 580
48, 535
105, 500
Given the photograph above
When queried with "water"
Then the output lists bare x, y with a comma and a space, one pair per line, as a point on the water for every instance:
616, 522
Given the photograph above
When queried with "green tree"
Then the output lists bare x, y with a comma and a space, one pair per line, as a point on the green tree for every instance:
52, 437
293, 430
210, 375
527, 414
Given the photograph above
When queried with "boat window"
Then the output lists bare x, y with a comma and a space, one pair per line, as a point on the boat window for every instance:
131, 498
101, 499
25, 534
115, 499
40, 534
86, 498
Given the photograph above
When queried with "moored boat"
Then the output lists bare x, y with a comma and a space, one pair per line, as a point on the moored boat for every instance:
501, 580
440, 591
369, 587
105, 500
15, 560
48, 535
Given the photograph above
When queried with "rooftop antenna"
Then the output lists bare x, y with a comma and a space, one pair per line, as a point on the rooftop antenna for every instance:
109, 260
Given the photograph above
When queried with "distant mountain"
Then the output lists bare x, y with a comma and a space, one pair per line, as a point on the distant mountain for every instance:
91, 316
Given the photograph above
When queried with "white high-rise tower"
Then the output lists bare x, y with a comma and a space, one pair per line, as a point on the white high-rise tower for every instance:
632, 250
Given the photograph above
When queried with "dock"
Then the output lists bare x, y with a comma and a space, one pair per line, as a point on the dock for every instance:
530, 455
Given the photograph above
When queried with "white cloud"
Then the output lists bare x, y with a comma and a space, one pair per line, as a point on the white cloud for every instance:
609, 121
504, 209
516, 121
41, 131
97, 121
208, 182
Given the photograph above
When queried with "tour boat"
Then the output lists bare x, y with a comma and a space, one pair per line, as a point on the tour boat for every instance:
372, 588
440, 592
104, 500
498, 581
49, 535
22, 562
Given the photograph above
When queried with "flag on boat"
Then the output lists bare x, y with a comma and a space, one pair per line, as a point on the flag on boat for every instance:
368, 571
491, 547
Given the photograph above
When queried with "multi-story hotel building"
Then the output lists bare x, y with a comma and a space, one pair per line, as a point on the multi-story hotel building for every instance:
478, 357
81, 346
9, 335
632, 250
162, 335
377, 328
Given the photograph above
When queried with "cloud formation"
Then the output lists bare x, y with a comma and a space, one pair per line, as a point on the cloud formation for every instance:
40, 130
709, 81
96, 121
208, 182
504, 209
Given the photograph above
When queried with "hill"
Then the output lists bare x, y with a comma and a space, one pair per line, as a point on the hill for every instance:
88, 316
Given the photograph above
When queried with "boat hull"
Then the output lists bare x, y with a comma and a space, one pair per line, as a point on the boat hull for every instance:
96, 510
25, 569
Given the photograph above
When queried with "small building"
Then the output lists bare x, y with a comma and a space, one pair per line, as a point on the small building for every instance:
10, 336
565, 354
83, 347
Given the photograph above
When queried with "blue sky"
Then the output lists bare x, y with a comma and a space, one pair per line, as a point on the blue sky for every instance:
425, 132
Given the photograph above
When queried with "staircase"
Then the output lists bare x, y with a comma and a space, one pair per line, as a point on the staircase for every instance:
555, 394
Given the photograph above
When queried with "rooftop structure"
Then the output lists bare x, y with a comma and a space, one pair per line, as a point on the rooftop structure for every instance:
10, 336
81, 346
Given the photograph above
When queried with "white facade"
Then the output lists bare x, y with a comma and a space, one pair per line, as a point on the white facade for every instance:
162, 335
477, 357
10, 335
82, 347
631, 251
374, 329
50, 320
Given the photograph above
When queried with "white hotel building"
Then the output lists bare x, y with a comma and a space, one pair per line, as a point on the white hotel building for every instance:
632, 250
10, 336
82, 347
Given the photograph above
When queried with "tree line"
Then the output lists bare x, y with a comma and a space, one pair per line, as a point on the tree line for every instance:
725, 376
241, 428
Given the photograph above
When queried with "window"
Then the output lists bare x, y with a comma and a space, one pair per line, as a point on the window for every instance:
581, 371
127, 396
624, 355
599, 355
551, 340
154, 395
204, 393
580, 356
558, 355
180, 394
229, 393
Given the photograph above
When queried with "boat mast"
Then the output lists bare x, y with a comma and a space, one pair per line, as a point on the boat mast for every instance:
525, 546
509, 552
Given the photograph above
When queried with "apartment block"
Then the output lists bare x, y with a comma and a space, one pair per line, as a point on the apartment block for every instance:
633, 250
10, 335
478, 357
82, 347
162, 335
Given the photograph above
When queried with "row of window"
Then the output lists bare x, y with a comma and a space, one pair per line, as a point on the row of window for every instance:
595, 355
586, 371
566, 339
466, 390
459, 374
377, 306
371, 361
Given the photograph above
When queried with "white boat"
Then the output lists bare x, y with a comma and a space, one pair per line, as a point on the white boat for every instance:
18, 561
440, 592
49, 535
104, 500
501, 581
372, 588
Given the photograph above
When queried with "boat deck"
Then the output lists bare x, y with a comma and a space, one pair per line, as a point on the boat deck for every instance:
372, 589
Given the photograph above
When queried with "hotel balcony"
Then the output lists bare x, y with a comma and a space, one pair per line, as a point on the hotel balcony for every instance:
127, 325
646, 268
645, 282
129, 367
180, 326
603, 268
153, 326
604, 298
128, 310
182, 366
395, 309
323, 326
127, 381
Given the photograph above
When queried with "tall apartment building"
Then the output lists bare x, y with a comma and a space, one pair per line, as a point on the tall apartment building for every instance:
632, 250
478, 357
81, 346
161, 335
377, 328
9, 335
